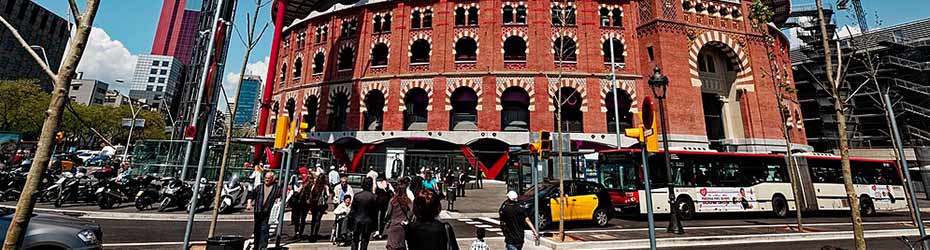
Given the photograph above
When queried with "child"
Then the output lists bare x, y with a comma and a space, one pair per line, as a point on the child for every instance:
479, 243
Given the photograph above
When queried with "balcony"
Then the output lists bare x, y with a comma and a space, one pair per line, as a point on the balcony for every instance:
463, 121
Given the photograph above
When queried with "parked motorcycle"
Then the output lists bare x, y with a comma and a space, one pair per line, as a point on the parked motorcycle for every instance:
234, 192
147, 193
174, 194
73, 187
114, 191
205, 198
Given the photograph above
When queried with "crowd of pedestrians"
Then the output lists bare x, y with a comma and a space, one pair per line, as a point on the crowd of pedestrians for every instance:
405, 214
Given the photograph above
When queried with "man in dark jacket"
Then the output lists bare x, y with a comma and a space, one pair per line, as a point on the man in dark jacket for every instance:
260, 202
513, 218
363, 215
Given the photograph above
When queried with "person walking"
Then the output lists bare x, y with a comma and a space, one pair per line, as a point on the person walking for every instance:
319, 196
262, 199
363, 215
333, 176
399, 215
513, 218
300, 204
383, 192
426, 232
341, 190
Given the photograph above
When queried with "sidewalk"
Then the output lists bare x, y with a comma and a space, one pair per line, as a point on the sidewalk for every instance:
638, 238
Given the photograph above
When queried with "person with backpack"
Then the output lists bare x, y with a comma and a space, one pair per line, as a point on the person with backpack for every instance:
426, 232
399, 214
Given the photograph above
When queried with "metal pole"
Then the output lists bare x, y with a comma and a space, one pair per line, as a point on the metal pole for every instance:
203, 81
132, 125
904, 168
674, 225
536, 196
283, 182
649, 214
613, 86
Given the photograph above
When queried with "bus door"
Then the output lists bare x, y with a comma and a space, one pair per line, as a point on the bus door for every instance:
801, 176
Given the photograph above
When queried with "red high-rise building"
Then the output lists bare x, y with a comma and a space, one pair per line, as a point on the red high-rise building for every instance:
176, 31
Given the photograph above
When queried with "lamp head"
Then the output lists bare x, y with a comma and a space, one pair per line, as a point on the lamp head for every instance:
659, 83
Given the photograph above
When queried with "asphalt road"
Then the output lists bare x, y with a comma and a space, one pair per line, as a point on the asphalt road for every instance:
877, 243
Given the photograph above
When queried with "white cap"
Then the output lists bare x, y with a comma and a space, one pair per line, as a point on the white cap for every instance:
512, 195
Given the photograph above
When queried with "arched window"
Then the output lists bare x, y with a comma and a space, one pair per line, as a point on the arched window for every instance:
464, 115
318, 60
515, 49
572, 117
624, 102
379, 55
565, 49
386, 24
618, 17
563, 15
298, 67
415, 19
311, 107
515, 115
473, 16
346, 58
283, 77
617, 51
419, 51
521, 14
416, 113
508, 14
428, 18
466, 50
339, 114
377, 25
374, 114
460, 16
604, 15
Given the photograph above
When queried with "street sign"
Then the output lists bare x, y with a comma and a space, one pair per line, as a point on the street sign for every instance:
190, 132
127, 122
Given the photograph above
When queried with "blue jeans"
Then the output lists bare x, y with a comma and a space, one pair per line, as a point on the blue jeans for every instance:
514, 246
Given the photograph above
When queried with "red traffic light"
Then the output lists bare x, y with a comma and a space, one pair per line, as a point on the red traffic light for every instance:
648, 112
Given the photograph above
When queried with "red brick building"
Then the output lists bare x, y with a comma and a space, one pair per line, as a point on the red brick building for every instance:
472, 78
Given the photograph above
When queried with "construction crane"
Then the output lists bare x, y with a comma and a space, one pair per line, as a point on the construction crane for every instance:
857, 10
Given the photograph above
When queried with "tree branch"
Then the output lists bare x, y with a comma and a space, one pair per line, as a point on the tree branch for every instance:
26, 46
74, 11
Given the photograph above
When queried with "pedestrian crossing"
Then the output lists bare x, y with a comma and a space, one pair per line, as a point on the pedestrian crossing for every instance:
490, 225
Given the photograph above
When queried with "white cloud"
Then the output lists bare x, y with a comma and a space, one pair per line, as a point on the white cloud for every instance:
106, 59
231, 81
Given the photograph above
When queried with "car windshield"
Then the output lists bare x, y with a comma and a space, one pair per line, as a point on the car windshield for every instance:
543, 188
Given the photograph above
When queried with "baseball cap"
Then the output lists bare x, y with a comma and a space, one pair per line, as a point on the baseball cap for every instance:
512, 195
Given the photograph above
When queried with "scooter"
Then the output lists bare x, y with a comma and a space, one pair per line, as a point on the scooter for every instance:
74, 187
233, 194
147, 192
205, 198
174, 193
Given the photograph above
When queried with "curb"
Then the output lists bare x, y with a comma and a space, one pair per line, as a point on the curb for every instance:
720, 240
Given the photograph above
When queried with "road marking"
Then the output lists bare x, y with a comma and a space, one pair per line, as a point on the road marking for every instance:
473, 223
742, 226
483, 226
494, 229
490, 220
464, 219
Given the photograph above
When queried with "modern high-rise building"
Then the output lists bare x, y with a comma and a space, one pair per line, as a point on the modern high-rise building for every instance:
47, 32
177, 29
192, 78
155, 80
249, 93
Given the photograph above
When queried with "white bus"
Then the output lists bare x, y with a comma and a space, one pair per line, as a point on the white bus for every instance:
715, 182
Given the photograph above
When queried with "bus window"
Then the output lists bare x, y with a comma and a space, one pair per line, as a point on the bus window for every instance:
775, 172
874, 173
825, 170
735, 175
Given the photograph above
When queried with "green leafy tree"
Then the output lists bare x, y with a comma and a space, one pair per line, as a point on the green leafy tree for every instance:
20, 103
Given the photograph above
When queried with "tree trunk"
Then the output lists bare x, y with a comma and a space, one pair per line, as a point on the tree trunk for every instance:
843, 137
62, 82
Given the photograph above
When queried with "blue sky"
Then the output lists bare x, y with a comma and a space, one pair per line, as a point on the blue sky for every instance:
127, 27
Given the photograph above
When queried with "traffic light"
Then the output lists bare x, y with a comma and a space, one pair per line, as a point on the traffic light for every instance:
533, 147
635, 133
649, 125
545, 145
296, 132
281, 132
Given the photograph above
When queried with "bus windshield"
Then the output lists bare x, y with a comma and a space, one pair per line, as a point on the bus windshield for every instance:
621, 176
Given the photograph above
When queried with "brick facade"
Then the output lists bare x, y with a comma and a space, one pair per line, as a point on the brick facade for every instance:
651, 34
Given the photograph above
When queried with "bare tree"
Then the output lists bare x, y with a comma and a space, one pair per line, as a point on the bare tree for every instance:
833, 87
61, 83
762, 15
561, 17
250, 40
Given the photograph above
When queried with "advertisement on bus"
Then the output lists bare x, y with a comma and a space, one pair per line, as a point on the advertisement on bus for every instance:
717, 198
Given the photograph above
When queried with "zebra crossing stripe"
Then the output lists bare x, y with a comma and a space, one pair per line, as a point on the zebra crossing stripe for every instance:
473, 223
494, 229
483, 226
493, 221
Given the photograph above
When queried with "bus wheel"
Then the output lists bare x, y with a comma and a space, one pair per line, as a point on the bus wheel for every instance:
780, 206
686, 209
866, 207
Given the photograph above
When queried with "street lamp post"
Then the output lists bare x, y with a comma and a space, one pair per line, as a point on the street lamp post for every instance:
132, 125
659, 85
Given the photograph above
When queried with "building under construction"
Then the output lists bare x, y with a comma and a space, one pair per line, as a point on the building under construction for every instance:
893, 60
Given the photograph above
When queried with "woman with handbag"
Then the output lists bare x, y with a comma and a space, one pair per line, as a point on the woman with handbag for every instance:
399, 214
426, 232
319, 196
